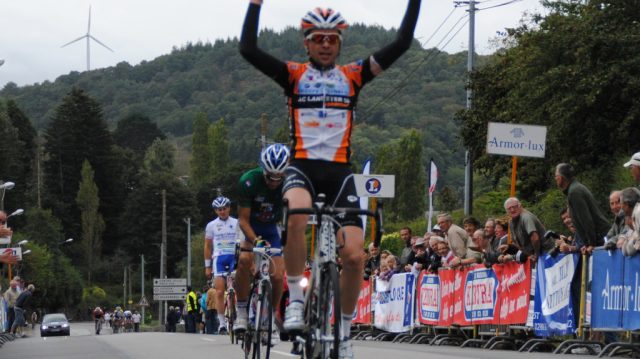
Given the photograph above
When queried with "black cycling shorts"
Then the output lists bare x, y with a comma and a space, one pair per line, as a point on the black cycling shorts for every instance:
335, 180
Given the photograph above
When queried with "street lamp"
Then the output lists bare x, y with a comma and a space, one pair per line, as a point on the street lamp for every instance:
23, 242
17, 212
4, 186
28, 251
188, 222
69, 240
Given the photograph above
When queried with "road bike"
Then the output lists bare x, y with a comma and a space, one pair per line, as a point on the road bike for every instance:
230, 306
257, 338
322, 310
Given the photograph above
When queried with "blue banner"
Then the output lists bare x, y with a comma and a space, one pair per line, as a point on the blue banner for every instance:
607, 287
553, 312
630, 293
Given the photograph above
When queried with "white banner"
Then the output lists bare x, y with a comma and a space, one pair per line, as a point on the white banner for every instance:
516, 140
394, 303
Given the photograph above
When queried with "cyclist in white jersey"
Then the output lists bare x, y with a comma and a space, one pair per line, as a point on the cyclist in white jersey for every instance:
219, 252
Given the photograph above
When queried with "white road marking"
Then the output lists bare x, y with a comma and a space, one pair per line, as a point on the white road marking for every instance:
209, 339
284, 353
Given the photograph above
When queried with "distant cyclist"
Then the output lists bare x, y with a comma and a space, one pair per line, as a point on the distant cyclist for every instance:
259, 209
322, 97
219, 252
98, 315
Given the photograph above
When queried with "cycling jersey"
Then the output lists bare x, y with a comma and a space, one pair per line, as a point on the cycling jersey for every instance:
321, 100
223, 235
265, 203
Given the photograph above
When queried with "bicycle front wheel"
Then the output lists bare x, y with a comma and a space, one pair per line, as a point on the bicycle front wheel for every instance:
264, 322
231, 314
324, 315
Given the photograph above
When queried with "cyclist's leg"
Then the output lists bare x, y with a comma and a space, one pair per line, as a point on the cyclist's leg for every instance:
296, 248
277, 280
220, 283
351, 274
242, 284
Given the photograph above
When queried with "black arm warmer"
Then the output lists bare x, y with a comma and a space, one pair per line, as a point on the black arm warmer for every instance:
390, 53
261, 60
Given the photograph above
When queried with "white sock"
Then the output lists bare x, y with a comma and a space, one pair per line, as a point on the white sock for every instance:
241, 309
346, 325
295, 289
222, 320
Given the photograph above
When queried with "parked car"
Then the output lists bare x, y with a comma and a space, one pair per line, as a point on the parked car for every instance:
54, 324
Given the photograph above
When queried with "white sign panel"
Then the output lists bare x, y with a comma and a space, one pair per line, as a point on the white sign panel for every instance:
14, 251
169, 296
516, 140
381, 186
169, 290
5, 240
169, 282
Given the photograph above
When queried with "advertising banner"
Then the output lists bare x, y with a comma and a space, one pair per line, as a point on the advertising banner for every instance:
607, 288
447, 284
428, 299
513, 292
363, 308
394, 303
553, 311
480, 295
629, 295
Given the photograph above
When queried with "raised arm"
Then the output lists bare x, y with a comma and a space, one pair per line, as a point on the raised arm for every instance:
261, 60
383, 58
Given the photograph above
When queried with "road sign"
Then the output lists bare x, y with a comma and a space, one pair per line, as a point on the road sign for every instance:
380, 186
143, 302
169, 282
169, 290
516, 140
169, 296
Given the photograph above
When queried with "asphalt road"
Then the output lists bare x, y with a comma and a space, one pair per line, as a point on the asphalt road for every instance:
83, 343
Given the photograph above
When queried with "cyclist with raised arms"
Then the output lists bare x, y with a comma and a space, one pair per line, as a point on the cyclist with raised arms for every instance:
259, 210
219, 252
322, 97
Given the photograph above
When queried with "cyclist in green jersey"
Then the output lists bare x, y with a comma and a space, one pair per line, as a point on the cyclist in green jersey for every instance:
259, 209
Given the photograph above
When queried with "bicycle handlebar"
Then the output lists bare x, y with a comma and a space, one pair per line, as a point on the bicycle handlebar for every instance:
262, 250
333, 211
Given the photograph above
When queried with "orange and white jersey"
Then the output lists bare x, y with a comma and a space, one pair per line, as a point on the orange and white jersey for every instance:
321, 109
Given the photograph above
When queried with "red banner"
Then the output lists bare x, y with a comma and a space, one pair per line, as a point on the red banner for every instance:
363, 309
447, 279
513, 292
428, 298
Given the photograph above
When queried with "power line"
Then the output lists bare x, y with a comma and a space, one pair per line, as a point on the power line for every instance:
499, 5
428, 57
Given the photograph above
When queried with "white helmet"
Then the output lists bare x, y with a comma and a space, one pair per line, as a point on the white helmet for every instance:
274, 158
220, 202
323, 19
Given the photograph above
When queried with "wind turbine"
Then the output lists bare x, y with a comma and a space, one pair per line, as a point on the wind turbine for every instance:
89, 37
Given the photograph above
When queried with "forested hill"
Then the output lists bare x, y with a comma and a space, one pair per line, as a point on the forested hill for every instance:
214, 79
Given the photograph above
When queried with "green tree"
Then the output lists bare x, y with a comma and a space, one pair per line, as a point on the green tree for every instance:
88, 202
410, 177
136, 132
200, 153
25, 179
11, 167
219, 147
160, 158
77, 132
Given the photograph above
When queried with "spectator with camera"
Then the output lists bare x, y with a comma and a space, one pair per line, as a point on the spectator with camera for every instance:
591, 226
526, 230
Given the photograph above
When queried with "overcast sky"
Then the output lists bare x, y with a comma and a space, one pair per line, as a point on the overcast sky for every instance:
33, 31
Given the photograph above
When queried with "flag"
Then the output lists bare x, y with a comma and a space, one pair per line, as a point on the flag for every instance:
433, 177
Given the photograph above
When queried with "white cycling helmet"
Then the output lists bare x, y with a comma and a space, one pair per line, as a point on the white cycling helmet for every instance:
220, 202
323, 19
274, 158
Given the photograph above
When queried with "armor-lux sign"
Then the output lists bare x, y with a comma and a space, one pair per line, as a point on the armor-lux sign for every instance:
429, 299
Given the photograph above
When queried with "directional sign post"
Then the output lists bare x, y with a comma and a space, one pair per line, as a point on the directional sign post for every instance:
169, 289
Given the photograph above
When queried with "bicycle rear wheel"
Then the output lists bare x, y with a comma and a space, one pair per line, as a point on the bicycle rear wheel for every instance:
323, 339
230, 313
264, 322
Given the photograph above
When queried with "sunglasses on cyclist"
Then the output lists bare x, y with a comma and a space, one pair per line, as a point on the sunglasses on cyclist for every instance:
320, 38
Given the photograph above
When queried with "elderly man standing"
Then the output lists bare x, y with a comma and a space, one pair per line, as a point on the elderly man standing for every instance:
591, 225
455, 236
527, 230
11, 295
634, 165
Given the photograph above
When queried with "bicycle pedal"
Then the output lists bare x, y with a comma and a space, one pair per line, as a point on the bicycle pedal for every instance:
300, 340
